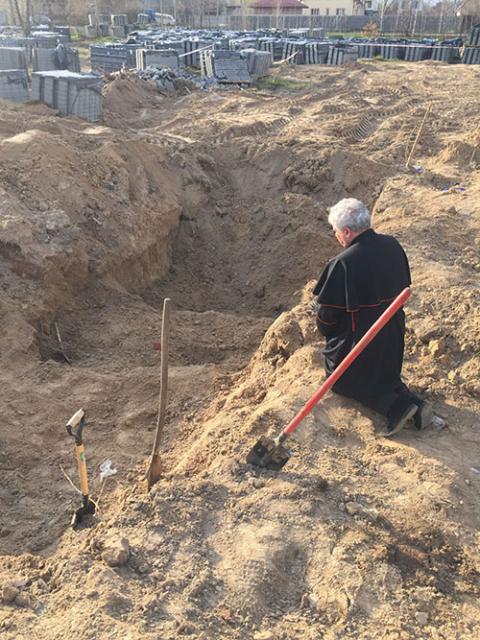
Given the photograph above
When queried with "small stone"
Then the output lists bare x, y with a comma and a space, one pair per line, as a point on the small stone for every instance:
436, 347
422, 618
9, 593
353, 508
116, 552
23, 600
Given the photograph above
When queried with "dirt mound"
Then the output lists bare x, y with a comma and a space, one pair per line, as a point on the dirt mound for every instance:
218, 200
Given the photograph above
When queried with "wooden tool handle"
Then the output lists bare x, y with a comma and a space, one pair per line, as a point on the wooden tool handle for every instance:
162, 404
82, 468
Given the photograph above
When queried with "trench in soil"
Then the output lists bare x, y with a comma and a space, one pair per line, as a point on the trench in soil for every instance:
235, 265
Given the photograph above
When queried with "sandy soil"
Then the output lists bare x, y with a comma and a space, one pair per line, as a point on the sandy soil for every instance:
218, 200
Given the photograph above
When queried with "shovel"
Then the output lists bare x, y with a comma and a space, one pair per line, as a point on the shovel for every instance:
270, 453
75, 428
155, 468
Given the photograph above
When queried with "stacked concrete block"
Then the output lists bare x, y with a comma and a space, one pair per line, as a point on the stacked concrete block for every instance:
143, 18
230, 67
13, 58
119, 20
73, 94
391, 51
471, 55
52, 59
64, 31
258, 62
14, 85
293, 51
192, 50
367, 49
445, 53
161, 59
316, 52
342, 55
414, 53
48, 40
206, 63
91, 31
474, 39
107, 58
118, 31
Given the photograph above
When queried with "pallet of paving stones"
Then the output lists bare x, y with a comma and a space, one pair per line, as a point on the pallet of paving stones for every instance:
474, 40
14, 85
471, 55
230, 67
53, 59
342, 55
119, 20
117, 31
445, 53
159, 58
258, 62
417, 52
48, 40
107, 58
72, 94
13, 58
316, 52
367, 49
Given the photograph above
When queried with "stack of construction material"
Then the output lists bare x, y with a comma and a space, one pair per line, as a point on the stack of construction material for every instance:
192, 50
119, 24
52, 59
367, 49
161, 59
169, 80
294, 51
106, 58
474, 40
390, 51
143, 18
228, 67
73, 94
119, 20
342, 55
318, 33
416, 52
316, 52
471, 55
14, 85
48, 40
64, 31
445, 53
13, 58
258, 62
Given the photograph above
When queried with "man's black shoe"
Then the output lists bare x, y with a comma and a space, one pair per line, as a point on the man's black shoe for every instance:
396, 423
424, 416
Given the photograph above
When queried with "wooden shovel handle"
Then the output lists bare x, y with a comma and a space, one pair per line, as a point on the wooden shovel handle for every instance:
162, 402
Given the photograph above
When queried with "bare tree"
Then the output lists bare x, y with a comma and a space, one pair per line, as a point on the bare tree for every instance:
22, 14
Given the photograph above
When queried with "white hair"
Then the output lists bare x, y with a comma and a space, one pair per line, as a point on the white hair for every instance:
350, 213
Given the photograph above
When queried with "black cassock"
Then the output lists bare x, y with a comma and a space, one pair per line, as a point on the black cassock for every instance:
353, 291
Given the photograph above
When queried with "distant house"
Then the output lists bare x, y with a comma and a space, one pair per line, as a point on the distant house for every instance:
336, 7
280, 7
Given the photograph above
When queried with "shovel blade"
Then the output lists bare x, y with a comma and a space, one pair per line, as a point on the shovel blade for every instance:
268, 454
154, 472
87, 509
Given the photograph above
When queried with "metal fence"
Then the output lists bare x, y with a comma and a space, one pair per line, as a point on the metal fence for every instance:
419, 24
